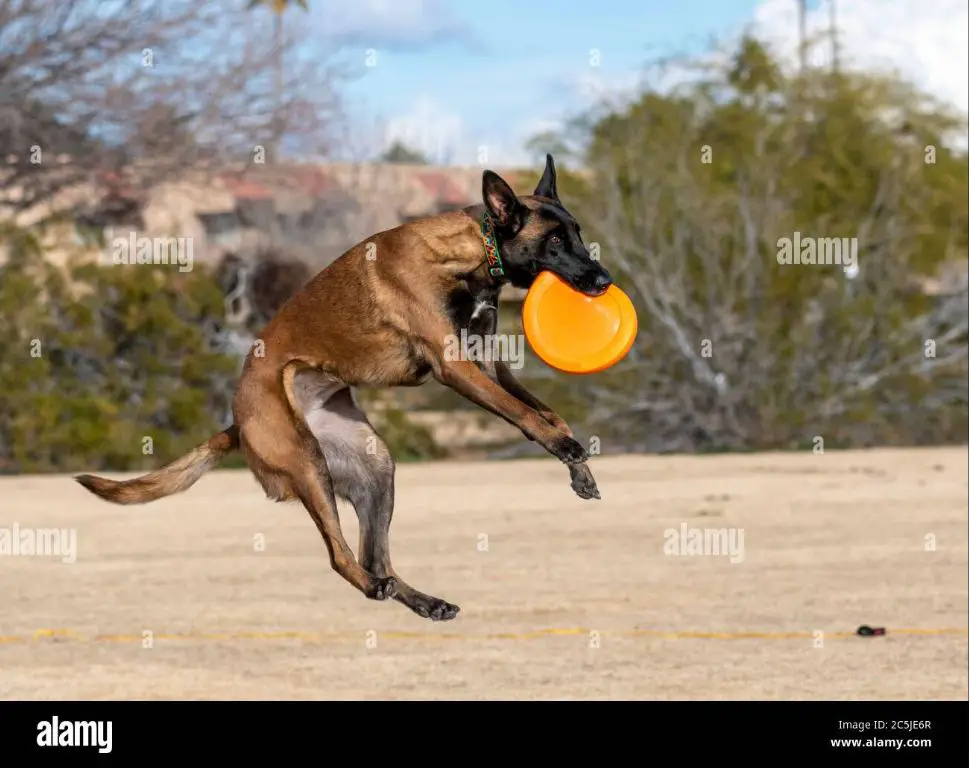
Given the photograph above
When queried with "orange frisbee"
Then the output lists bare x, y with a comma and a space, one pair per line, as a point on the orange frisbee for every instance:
575, 333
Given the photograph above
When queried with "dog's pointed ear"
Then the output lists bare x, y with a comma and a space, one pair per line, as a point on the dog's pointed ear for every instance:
546, 186
501, 201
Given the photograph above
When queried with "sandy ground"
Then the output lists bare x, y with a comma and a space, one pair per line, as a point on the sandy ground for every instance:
220, 594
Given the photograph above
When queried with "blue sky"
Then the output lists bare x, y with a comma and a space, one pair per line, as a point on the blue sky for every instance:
454, 76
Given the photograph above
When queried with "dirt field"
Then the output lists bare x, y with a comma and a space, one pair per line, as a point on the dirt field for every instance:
220, 594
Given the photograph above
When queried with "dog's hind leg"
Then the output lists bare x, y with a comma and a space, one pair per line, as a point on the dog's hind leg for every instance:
287, 460
363, 473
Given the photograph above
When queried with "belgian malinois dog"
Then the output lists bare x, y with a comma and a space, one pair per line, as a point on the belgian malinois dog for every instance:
381, 316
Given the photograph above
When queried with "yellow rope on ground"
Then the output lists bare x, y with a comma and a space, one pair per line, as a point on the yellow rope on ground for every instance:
60, 635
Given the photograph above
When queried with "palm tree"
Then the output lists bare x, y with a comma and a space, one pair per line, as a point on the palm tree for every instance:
833, 24
801, 31
278, 8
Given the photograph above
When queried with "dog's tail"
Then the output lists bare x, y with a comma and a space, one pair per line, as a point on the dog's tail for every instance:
176, 477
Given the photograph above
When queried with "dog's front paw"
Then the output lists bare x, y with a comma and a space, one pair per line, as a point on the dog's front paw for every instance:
583, 483
570, 451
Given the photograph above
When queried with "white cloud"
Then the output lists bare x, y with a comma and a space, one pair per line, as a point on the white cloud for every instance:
432, 129
444, 137
926, 41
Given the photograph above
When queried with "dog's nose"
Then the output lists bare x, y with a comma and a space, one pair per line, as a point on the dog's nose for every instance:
602, 281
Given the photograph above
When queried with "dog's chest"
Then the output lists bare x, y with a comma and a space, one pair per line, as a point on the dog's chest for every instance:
474, 310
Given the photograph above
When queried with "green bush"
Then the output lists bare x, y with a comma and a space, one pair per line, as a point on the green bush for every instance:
113, 368
105, 368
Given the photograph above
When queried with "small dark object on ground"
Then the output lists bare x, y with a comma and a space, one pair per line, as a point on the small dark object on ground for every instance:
865, 631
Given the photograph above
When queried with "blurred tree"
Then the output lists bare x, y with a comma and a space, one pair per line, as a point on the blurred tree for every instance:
94, 93
688, 195
278, 8
398, 153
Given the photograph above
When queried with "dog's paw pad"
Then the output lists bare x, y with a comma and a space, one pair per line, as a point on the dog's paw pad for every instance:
436, 610
444, 611
384, 589
583, 483
586, 493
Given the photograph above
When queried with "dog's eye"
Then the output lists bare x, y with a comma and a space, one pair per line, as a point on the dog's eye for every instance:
555, 239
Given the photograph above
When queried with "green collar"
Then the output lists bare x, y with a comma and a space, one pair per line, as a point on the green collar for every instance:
495, 267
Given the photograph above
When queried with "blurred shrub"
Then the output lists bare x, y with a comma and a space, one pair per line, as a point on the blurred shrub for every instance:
104, 368
119, 368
